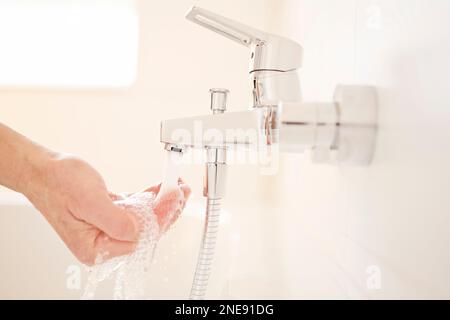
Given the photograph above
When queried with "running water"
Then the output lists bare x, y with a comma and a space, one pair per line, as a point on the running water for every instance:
171, 174
130, 270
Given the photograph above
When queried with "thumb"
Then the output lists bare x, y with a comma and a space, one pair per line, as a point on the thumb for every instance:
113, 220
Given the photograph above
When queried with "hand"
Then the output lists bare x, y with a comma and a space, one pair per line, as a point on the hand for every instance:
74, 199
167, 206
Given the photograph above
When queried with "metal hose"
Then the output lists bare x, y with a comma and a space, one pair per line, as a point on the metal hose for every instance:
206, 254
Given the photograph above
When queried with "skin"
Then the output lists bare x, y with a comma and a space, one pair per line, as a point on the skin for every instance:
74, 199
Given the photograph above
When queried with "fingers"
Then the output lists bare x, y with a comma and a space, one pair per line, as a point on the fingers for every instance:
101, 249
154, 189
116, 222
169, 205
186, 190
157, 188
114, 231
107, 248
115, 196
119, 196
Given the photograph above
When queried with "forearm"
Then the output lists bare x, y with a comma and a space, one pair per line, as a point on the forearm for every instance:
21, 160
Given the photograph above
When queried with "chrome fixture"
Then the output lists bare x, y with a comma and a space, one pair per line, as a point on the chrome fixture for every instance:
216, 156
339, 131
274, 60
342, 131
214, 191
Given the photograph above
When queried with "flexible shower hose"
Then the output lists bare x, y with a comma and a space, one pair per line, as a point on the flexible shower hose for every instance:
206, 254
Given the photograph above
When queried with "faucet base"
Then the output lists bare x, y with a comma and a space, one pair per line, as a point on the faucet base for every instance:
354, 142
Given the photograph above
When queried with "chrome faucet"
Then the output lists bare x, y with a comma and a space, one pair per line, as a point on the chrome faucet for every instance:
274, 60
341, 131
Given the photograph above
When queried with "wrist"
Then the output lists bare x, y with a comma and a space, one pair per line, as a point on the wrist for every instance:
24, 163
33, 179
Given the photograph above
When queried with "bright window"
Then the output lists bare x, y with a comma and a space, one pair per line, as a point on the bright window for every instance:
68, 43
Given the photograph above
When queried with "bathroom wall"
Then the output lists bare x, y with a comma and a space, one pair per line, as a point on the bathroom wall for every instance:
380, 231
311, 231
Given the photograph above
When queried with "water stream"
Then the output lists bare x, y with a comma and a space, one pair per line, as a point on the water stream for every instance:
129, 271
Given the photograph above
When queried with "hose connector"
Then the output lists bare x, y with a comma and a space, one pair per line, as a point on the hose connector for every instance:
216, 173
214, 184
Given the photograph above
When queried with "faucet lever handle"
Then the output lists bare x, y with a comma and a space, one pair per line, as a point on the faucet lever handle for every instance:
268, 52
231, 29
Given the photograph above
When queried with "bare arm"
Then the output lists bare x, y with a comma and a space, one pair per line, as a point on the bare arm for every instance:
73, 197
70, 194
21, 159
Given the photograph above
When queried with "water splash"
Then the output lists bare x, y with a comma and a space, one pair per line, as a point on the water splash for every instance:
129, 270
171, 174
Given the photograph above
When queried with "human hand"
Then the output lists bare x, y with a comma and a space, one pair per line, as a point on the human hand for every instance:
168, 204
74, 199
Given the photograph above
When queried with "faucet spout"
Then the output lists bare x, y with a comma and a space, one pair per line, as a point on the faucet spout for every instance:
174, 148
291, 127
